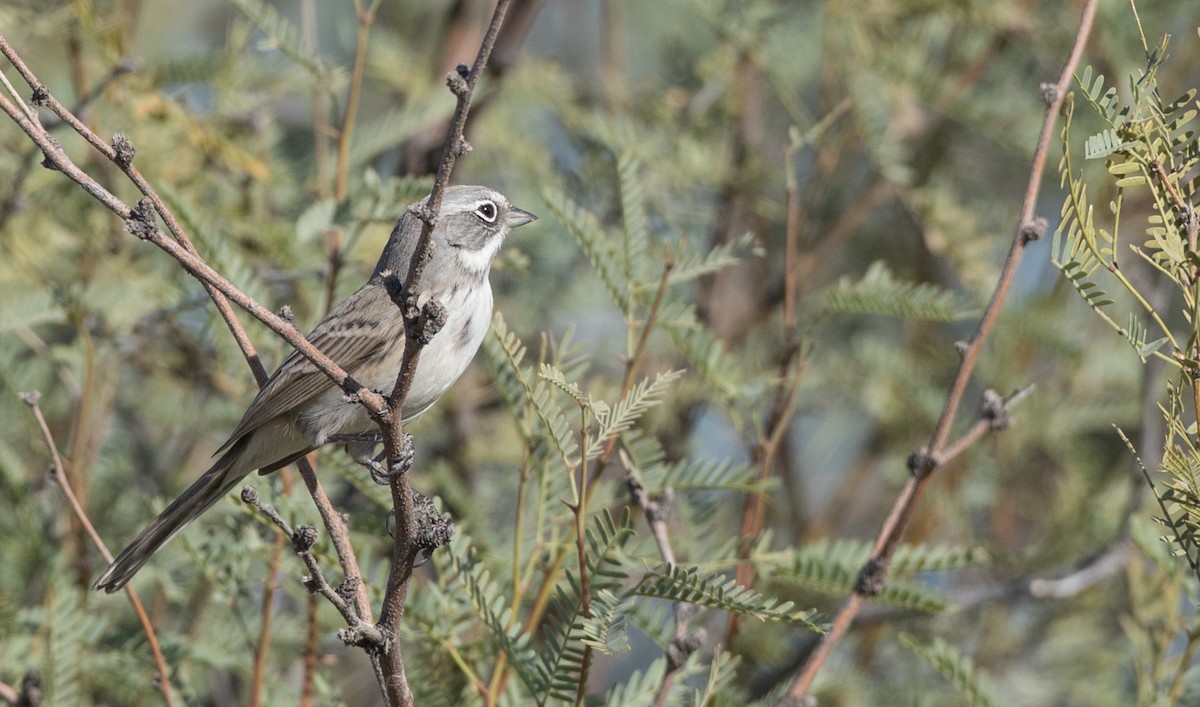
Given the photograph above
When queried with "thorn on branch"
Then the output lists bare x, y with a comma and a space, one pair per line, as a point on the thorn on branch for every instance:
998, 410
41, 96
347, 589
995, 410
1033, 230
659, 510
304, 538
921, 463
457, 81
1049, 93
433, 318
681, 648
367, 637
250, 497
434, 529
870, 580
962, 347
141, 220
123, 150
400, 296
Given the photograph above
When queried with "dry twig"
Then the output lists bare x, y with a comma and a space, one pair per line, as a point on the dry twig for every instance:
923, 462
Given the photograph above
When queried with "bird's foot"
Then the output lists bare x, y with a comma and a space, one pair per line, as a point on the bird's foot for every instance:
383, 472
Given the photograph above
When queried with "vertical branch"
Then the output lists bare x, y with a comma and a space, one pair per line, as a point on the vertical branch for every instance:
786, 395
418, 329
308, 681
579, 508
612, 54
925, 461
258, 677
308, 25
267, 608
366, 18
657, 510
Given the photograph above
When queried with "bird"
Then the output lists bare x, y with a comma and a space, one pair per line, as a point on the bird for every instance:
299, 408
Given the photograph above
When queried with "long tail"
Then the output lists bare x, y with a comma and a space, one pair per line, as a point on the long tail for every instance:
199, 497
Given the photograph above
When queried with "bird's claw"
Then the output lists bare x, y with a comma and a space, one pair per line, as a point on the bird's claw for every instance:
383, 473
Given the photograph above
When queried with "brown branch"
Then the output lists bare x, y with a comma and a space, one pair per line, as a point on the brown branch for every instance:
923, 463
60, 476
579, 509
787, 393
308, 681
397, 445
259, 673
366, 18
320, 96
657, 509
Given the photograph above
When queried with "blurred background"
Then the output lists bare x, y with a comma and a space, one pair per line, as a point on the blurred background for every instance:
633, 129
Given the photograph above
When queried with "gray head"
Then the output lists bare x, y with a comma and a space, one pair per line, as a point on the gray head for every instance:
471, 226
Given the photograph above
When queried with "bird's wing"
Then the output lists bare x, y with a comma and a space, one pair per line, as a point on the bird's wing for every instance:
351, 335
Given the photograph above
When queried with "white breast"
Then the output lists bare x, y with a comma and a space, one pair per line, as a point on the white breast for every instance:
468, 317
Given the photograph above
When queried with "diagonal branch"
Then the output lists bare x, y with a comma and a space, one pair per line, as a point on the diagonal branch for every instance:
924, 462
60, 475
462, 83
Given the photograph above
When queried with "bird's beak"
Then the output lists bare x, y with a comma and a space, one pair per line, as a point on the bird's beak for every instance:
518, 217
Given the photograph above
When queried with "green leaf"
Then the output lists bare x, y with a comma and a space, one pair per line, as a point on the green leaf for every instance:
283, 35
595, 243
641, 398
715, 591
492, 608
879, 292
960, 670
315, 220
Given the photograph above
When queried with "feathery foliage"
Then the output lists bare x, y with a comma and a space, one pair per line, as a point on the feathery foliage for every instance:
717, 188
971, 683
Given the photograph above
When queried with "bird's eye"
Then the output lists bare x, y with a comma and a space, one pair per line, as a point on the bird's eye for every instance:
486, 211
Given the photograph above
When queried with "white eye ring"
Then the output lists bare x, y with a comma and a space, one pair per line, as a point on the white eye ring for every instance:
486, 211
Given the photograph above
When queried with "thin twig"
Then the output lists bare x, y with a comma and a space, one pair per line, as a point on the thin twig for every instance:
308, 681
32, 399
874, 573
320, 98
303, 539
657, 510
266, 609
366, 18
791, 364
